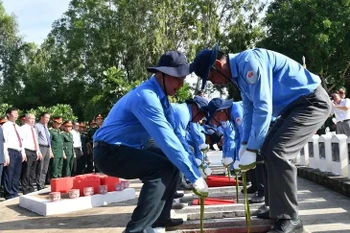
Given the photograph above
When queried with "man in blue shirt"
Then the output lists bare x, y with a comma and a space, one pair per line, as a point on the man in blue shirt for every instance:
271, 84
228, 115
186, 117
141, 114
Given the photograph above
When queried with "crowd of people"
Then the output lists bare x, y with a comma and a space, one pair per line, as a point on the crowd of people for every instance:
32, 153
164, 145
274, 89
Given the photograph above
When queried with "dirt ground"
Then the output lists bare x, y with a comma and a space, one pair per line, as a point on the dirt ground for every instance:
104, 219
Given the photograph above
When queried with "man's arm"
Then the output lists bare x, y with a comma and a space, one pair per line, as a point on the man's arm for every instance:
247, 118
258, 79
151, 115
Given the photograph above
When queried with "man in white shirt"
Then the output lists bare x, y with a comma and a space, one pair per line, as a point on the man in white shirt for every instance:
78, 160
342, 114
31, 148
342, 93
15, 154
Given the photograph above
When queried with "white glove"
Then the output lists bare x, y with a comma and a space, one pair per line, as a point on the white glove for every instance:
236, 167
204, 147
200, 187
227, 161
242, 149
248, 160
208, 171
334, 120
199, 162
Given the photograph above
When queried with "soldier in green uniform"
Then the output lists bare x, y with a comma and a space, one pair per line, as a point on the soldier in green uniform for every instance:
92, 129
68, 148
57, 148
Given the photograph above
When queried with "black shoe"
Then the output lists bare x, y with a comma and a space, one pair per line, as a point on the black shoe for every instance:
287, 226
178, 195
257, 198
185, 186
169, 222
264, 214
251, 189
178, 206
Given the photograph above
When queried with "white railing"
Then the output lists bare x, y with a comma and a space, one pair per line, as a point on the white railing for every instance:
328, 153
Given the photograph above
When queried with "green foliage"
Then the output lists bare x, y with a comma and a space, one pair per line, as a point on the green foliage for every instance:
182, 94
114, 86
62, 110
99, 49
3, 108
313, 28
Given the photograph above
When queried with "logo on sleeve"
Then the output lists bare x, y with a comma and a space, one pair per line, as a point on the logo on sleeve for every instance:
251, 76
238, 121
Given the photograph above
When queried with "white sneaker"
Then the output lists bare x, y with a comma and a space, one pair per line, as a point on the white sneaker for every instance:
159, 230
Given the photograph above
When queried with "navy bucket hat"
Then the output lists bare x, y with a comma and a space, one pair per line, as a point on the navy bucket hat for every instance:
203, 62
172, 63
217, 104
201, 102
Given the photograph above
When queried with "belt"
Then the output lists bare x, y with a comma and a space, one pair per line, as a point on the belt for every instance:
100, 143
344, 120
15, 149
30, 150
44, 146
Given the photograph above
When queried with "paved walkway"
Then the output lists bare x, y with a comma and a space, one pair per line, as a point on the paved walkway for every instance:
321, 211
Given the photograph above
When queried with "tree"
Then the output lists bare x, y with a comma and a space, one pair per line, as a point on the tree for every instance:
323, 40
94, 35
10, 56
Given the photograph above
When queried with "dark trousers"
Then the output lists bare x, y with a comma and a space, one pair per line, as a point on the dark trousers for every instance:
287, 137
29, 171
79, 162
43, 165
258, 177
11, 174
159, 176
1, 169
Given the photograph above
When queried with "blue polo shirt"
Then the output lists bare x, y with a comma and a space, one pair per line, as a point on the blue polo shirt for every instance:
141, 114
233, 132
195, 137
269, 82
187, 131
182, 118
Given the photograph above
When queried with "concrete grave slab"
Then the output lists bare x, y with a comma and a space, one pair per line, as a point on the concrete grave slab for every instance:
45, 207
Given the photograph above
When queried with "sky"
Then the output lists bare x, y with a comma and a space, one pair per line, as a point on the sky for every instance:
35, 17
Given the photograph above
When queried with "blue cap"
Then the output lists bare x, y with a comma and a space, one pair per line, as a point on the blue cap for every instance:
201, 102
203, 62
217, 104
172, 63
